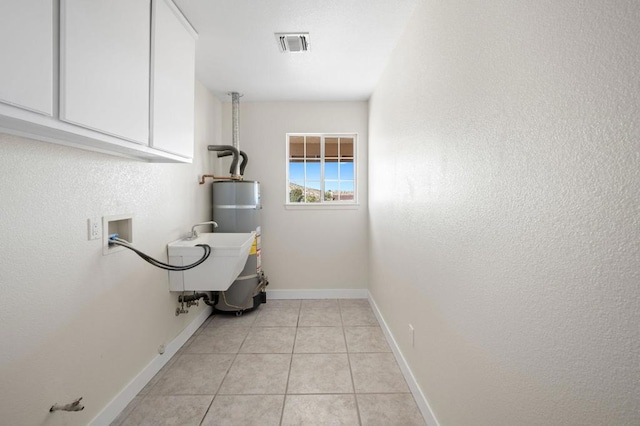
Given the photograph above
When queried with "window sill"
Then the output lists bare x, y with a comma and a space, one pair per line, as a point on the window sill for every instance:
314, 206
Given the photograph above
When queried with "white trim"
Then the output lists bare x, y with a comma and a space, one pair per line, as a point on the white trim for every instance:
353, 293
320, 206
421, 400
356, 155
183, 19
120, 402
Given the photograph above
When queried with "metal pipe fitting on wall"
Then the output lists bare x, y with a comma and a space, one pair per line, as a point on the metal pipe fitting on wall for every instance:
73, 406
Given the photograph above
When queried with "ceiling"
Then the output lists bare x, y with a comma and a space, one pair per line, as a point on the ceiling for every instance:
350, 42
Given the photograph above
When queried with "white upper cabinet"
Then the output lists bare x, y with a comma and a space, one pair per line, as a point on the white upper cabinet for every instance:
104, 66
126, 76
26, 54
173, 80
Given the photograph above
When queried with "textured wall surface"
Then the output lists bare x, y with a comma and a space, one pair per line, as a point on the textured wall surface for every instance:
76, 323
505, 209
304, 249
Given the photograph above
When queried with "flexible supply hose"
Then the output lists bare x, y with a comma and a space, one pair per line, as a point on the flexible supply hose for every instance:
157, 263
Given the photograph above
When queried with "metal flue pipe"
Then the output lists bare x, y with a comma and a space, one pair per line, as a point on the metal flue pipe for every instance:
224, 149
235, 127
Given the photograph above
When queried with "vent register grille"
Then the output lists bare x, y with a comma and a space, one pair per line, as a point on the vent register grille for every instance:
293, 42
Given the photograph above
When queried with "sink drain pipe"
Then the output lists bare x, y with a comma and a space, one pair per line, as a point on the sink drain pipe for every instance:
188, 298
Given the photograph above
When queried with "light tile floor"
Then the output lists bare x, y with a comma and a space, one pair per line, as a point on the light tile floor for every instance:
290, 362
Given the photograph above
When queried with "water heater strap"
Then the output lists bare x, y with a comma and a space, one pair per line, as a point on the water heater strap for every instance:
237, 206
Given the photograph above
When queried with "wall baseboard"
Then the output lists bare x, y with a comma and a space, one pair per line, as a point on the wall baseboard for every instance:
354, 293
421, 400
120, 402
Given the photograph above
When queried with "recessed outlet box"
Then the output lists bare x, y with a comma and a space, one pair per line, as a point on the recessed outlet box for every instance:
118, 224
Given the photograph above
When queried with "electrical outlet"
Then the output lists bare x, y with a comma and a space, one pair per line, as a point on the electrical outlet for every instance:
94, 229
413, 336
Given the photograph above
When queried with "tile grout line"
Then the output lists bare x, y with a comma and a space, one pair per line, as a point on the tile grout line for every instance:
353, 383
225, 375
286, 388
206, 324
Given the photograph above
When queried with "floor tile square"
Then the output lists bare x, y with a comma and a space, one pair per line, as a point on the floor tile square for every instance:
319, 304
257, 374
389, 409
218, 340
127, 410
206, 322
169, 410
319, 317
377, 373
230, 320
269, 340
194, 374
147, 388
319, 340
313, 410
320, 373
245, 410
290, 304
154, 381
354, 303
366, 339
358, 316
330, 357
277, 317
186, 344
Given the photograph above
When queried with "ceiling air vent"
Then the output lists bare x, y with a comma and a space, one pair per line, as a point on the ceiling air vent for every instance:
293, 42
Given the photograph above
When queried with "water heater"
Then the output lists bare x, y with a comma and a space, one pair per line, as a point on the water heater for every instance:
237, 208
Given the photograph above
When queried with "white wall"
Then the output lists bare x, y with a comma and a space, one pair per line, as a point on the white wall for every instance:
304, 249
76, 323
504, 209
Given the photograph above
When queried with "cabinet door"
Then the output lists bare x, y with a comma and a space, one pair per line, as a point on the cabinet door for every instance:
173, 87
104, 66
26, 52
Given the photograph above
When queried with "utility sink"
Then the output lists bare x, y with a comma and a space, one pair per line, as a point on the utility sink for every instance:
229, 252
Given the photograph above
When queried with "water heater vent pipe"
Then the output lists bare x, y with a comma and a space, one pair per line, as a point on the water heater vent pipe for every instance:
235, 126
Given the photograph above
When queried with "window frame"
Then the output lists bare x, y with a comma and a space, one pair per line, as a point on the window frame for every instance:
323, 204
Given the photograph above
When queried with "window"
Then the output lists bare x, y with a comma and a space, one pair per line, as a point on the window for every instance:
321, 169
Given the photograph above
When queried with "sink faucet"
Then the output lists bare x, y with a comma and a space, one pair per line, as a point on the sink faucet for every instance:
194, 233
